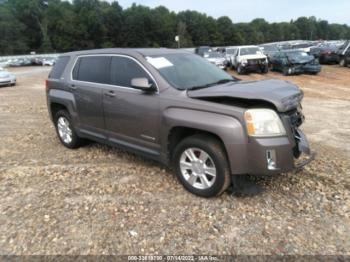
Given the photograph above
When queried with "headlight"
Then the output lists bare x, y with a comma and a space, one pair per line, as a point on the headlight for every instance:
243, 62
263, 122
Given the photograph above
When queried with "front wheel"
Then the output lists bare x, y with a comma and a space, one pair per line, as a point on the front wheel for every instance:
287, 71
240, 70
342, 62
201, 166
65, 130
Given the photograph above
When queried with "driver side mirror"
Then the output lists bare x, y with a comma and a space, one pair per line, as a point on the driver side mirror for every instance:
143, 84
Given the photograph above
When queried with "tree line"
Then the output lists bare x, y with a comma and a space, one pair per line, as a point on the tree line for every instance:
61, 26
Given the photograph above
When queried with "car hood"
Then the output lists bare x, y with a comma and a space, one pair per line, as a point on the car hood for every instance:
282, 94
248, 57
4, 74
216, 60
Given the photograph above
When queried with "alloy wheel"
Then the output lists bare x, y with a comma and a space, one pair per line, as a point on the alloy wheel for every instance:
64, 130
197, 168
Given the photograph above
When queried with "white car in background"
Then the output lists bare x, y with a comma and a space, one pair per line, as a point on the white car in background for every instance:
7, 78
48, 61
217, 59
230, 53
249, 59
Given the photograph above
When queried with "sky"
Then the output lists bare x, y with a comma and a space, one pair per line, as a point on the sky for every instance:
335, 11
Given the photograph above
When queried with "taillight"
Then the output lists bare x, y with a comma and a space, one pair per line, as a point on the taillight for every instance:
47, 84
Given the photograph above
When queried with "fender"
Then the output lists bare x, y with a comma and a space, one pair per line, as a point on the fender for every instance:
64, 98
227, 128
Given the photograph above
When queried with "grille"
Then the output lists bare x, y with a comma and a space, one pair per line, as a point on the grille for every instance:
255, 61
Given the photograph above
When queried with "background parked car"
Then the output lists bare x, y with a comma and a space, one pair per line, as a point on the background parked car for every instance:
20, 62
344, 54
230, 54
37, 61
295, 62
328, 55
203, 49
48, 61
249, 59
269, 50
217, 59
7, 78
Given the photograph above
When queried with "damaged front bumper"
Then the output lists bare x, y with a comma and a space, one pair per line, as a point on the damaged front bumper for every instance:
275, 155
307, 68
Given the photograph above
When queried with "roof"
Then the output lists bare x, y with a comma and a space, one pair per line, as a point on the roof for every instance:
130, 51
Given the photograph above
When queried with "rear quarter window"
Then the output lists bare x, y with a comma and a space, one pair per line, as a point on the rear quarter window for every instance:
59, 67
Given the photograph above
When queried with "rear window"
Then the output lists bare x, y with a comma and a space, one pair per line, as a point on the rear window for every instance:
59, 67
93, 69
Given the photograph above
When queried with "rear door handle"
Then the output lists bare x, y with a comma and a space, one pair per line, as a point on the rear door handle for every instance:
110, 93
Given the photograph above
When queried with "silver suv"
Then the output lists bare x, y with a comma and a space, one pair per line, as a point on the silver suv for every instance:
179, 109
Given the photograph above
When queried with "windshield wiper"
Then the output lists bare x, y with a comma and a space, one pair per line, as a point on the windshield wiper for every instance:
222, 81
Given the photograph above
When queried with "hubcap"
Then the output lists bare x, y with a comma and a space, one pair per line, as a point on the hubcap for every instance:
197, 168
64, 129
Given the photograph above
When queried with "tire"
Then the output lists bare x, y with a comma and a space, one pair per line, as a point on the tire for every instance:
62, 121
342, 62
210, 151
265, 70
240, 70
286, 71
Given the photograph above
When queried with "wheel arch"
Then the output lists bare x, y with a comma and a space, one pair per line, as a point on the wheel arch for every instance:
179, 123
179, 133
60, 99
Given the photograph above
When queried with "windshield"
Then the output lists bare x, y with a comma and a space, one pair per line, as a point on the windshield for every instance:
212, 55
302, 45
230, 51
250, 51
188, 71
270, 48
297, 55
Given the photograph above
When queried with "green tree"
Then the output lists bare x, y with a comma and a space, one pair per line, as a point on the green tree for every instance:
12, 32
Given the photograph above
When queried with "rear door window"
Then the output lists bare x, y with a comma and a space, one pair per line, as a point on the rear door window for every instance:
93, 69
60, 65
124, 69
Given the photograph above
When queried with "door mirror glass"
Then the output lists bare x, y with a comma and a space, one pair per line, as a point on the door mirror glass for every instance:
142, 83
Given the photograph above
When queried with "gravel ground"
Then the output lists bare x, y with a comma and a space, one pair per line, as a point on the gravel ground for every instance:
100, 200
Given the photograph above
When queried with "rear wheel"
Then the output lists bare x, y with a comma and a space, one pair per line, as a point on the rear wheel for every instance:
201, 166
265, 69
65, 130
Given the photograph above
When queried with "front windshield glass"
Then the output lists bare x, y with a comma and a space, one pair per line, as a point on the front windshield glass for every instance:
188, 71
212, 55
230, 51
270, 48
250, 51
297, 55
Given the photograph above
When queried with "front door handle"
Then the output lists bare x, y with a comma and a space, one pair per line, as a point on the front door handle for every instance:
110, 93
72, 86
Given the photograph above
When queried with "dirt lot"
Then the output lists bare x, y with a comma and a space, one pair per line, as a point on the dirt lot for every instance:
99, 200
